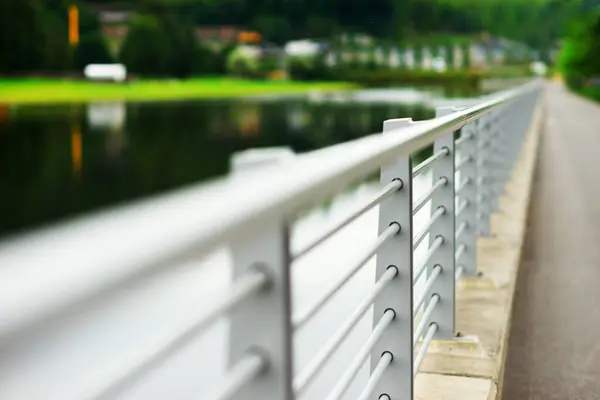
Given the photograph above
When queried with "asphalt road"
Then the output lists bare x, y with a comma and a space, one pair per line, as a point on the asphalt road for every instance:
554, 345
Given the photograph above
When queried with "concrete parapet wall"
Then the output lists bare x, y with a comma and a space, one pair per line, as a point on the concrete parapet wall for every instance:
472, 367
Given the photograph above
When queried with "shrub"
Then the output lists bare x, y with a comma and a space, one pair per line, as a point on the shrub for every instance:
310, 68
268, 64
159, 44
243, 64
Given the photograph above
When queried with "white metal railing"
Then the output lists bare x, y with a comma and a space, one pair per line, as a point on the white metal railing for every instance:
106, 255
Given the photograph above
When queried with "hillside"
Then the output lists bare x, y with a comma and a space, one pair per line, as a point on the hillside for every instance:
537, 22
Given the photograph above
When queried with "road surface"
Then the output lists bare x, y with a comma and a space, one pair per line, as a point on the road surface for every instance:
554, 346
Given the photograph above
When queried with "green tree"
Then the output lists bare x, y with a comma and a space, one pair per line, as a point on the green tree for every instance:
22, 36
317, 26
146, 49
274, 28
182, 43
214, 61
580, 56
88, 20
171, 42
92, 49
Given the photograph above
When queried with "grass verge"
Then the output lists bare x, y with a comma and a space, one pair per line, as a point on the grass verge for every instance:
591, 92
27, 91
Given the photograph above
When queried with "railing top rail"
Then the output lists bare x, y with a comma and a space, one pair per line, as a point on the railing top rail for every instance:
111, 249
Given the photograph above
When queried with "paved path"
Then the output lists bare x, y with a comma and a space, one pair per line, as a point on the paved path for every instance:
554, 348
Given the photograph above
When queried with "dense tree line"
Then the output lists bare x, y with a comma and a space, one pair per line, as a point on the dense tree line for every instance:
34, 39
161, 42
532, 21
33, 33
580, 58
31, 36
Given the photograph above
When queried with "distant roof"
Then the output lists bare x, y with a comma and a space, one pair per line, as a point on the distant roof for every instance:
223, 33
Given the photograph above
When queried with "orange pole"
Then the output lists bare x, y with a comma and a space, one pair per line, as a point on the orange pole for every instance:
76, 150
73, 25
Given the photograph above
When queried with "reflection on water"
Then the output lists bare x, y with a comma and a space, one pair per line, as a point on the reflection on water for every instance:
76, 151
59, 161
106, 115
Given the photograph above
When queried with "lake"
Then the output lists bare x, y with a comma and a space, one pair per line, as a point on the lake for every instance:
60, 161
63, 161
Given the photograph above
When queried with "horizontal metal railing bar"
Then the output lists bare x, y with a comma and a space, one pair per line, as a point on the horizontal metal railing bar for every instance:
422, 267
164, 230
435, 272
463, 138
427, 196
387, 191
464, 161
424, 346
460, 251
340, 388
306, 376
435, 299
428, 163
425, 230
147, 358
301, 318
461, 207
461, 229
242, 373
384, 362
466, 181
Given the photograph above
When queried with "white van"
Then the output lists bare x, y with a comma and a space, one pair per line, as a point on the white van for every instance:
106, 72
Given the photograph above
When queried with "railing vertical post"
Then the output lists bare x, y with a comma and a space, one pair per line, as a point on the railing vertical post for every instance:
397, 381
444, 285
506, 144
261, 325
517, 126
484, 177
525, 107
494, 160
511, 129
466, 222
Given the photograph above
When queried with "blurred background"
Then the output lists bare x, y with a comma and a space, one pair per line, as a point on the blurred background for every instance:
104, 101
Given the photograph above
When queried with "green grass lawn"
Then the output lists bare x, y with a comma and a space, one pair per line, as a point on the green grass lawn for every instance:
20, 91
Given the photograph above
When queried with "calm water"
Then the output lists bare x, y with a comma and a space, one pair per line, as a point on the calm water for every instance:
59, 161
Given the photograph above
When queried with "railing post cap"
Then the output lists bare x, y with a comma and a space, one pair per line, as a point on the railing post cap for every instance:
395, 123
